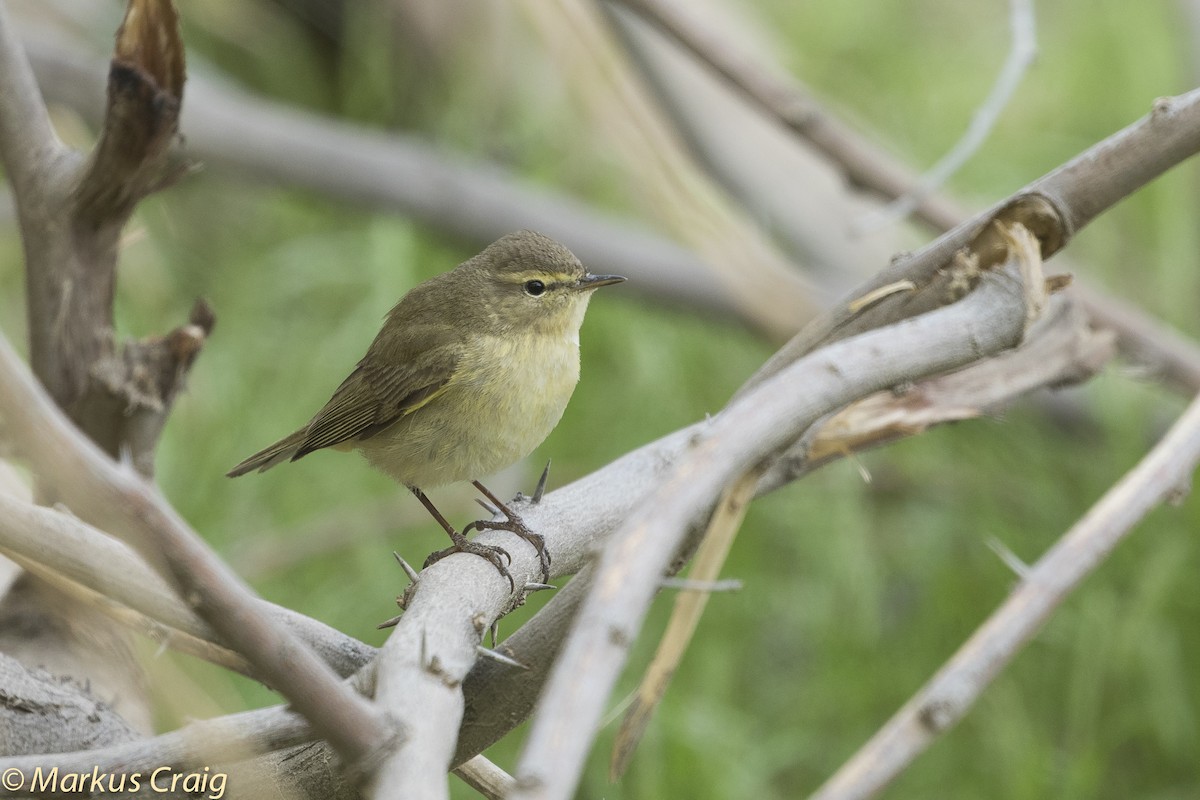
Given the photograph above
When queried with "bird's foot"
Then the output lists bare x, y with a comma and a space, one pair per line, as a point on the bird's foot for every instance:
513, 524
498, 556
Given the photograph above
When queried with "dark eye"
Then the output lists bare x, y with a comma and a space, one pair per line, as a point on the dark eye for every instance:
534, 288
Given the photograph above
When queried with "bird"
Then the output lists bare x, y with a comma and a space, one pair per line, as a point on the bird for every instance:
470, 372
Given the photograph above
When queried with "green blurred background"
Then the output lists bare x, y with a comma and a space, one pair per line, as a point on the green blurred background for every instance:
854, 592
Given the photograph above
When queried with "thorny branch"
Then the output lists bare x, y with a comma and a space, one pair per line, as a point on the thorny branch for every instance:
759, 422
71, 209
115, 500
71, 215
579, 556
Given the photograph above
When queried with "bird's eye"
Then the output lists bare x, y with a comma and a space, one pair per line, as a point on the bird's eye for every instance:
534, 288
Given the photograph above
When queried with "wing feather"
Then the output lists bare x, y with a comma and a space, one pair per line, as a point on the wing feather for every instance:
388, 383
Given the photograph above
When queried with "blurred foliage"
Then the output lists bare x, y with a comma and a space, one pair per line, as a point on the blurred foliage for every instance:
855, 592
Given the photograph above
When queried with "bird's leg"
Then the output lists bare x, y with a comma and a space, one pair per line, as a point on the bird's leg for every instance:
496, 555
514, 524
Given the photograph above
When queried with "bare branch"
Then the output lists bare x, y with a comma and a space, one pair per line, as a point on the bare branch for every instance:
90, 558
782, 98
40, 712
1059, 350
498, 697
1163, 475
1020, 56
99, 491
486, 778
1062, 349
990, 319
424, 662
683, 200
71, 218
145, 90
250, 135
1055, 207
201, 744
27, 140
689, 605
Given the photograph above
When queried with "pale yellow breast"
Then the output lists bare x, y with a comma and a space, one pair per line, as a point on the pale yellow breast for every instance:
505, 399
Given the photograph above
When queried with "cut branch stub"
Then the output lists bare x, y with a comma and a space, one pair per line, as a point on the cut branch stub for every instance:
119, 395
149, 40
1037, 213
153, 372
145, 90
988, 248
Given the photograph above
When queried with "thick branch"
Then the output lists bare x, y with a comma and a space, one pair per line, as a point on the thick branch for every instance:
1055, 207
1061, 349
41, 713
421, 670
991, 319
71, 218
201, 744
27, 141
99, 491
82, 554
497, 696
145, 90
70, 226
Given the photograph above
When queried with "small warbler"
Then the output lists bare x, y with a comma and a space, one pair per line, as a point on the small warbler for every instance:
470, 372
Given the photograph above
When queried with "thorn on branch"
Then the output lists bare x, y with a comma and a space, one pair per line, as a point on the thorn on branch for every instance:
540, 489
414, 580
413, 576
496, 655
390, 623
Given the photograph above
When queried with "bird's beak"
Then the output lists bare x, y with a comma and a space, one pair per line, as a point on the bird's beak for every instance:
590, 281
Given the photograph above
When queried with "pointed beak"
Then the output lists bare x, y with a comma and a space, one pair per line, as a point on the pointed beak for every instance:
590, 281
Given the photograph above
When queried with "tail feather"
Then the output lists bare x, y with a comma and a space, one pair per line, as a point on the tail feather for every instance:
283, 450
